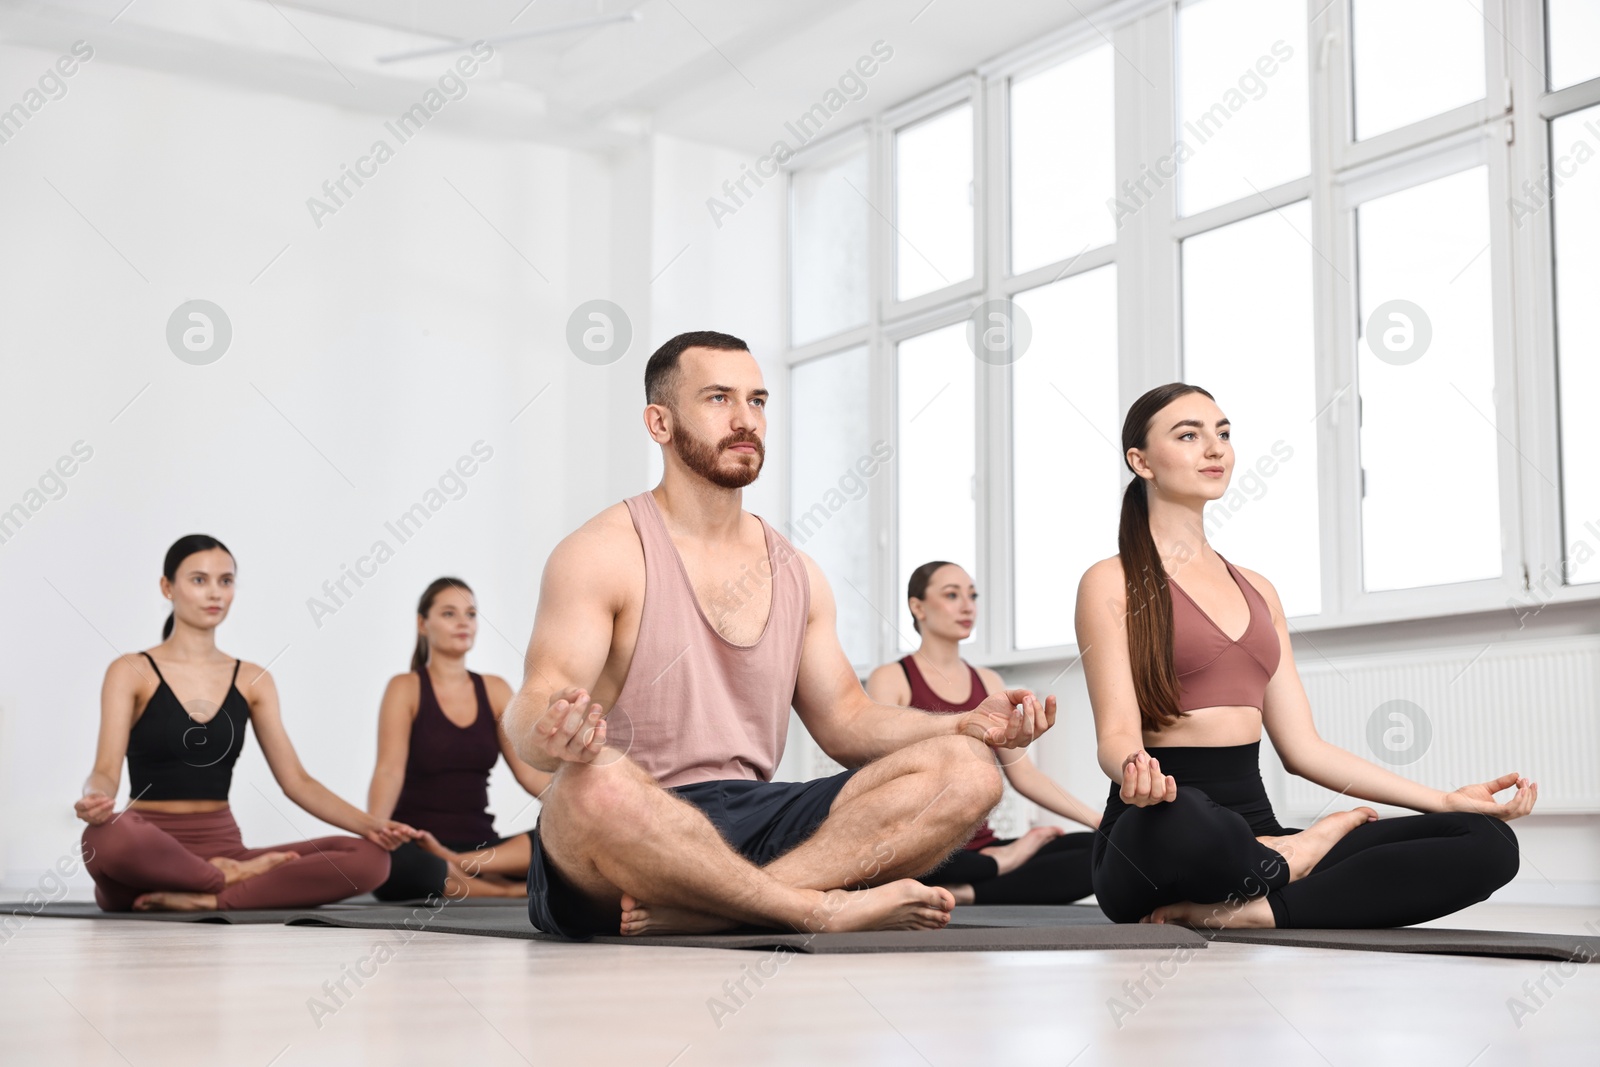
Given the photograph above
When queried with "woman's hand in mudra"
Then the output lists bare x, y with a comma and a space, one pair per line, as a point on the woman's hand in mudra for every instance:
1143, 784
94, 808
1480, 797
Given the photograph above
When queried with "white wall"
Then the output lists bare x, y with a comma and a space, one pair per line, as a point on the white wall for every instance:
364, 361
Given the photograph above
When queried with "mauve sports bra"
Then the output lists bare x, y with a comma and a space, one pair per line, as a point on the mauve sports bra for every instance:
1214, 671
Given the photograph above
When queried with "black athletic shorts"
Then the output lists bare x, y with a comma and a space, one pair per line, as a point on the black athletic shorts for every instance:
759, 820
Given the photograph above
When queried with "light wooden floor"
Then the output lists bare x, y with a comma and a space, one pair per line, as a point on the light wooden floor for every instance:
168, 995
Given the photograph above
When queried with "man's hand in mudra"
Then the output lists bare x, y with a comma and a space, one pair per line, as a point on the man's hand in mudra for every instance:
1012, 718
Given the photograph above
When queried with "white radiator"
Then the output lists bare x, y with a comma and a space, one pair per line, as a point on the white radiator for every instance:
1452, 716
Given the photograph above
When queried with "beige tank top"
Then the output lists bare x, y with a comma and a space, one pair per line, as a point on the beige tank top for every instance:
696, 707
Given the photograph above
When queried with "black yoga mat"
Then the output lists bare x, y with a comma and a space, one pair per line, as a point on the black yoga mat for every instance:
1438, 941
972, 929
75, 909
1425, 939
1029, 915
963, 935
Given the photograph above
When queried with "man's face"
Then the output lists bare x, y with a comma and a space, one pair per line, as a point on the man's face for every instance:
720, 416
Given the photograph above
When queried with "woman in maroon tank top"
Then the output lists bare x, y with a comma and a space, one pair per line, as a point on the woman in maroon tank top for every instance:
438, 738
1044, 865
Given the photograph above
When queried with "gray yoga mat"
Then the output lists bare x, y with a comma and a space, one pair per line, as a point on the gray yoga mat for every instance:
965, 934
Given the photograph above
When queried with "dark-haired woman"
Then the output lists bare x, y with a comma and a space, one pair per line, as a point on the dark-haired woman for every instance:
1188, 658
1044, 865
438, 738
176, 846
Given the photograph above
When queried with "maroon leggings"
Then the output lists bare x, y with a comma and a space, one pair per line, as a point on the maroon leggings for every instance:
149, 851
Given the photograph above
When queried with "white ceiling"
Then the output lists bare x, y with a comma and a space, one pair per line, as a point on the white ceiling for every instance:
727, 72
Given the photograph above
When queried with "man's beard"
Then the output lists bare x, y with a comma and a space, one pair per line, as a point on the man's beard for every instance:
703, 458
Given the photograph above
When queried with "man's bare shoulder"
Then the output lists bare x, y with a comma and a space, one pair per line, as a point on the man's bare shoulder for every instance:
822, 603
604, 553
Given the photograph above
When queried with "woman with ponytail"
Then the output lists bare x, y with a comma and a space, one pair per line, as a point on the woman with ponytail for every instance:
438, 738
1188, 835
1045, 865
176, 846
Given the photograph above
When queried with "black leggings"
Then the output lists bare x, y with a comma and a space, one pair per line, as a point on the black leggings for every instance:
1057, 874
1202, 848
417, 875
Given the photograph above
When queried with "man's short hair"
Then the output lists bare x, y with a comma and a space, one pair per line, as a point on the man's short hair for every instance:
661, 373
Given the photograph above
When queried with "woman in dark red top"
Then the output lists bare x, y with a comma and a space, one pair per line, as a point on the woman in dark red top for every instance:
1044, 865
438, 738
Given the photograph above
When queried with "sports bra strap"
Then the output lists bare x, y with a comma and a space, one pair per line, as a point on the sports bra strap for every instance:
152, 660
231, 682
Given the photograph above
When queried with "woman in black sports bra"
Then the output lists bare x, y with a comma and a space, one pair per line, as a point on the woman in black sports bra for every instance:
176, 846
1188, 834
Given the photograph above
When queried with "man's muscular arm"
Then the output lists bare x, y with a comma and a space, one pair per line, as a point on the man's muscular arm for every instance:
552, 720
853, 729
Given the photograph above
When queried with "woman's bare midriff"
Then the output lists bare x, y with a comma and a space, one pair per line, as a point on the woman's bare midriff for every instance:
1217, 727
179, 807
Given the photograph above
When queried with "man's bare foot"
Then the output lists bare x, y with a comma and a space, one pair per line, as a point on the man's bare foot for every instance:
175, 902
240, 870
639, 919
1255, 914
1009, 857
1304, 850
903, 905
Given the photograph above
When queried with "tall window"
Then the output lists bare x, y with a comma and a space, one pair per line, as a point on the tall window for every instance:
933, 163
1249, 337
1429, 446
1063, 161
1065, 457
1243, 116
1321, 213
1574, 41
1577, 278
937, 460
1413, 60
835, 465
828, 216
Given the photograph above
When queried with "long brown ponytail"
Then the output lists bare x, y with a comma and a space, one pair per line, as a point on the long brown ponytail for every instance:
1155, 679
419, 655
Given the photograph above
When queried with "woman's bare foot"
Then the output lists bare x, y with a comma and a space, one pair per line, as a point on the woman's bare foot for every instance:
903, 905
1009, 857
1254, 914
430, 844
459, 885
240, 870
963, 894
639, 919
175, 902
1304, 850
